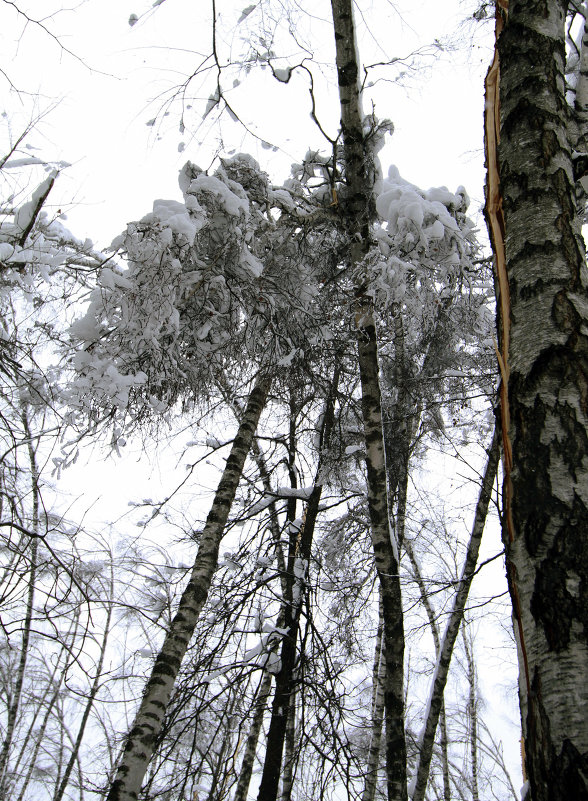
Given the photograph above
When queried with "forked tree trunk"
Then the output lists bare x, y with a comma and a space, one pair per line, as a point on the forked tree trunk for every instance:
357, 213
544, 312
141, 739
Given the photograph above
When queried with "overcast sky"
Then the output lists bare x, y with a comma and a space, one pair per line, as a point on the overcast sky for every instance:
113, 84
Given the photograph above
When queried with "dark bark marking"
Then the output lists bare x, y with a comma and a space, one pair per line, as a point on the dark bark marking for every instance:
558, 777
552, 603
552, 524
529, 518
564, 314
347, 75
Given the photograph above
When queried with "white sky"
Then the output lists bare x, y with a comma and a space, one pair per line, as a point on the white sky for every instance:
120, 163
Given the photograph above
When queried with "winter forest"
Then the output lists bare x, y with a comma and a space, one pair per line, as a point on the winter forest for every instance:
347, 415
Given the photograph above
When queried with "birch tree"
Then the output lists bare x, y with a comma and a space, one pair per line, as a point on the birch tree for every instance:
248, 279
359, 214
535, 157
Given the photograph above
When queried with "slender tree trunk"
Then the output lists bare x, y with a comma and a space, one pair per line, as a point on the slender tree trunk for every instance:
34, 736
454, 622
358, 212
298, 564
472, 714
373, 761
26, 632
544, 315
51, 702
90, 700
289, 750
265, 688
264, 475
39, 744
399, 433
444, 745
141, 739
260, 705
426, 601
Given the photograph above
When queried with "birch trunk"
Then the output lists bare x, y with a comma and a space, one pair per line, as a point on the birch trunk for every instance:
454, 623
265, 687
289, 751
357, 214
545, 411
141, 739
373, 763
260, 704
472, 714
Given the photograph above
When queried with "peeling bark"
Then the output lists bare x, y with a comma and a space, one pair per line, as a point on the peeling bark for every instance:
141, 739
545, 531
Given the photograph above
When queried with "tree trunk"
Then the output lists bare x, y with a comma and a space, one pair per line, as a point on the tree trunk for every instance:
141, 739
298, 565
289, 762
265, 687
432, 617
261, 699
90, 701
373, 762
472, 714
545, 403
26, 631
357, 213
453, 624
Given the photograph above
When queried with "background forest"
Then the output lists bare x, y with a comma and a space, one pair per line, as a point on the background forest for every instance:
300, 616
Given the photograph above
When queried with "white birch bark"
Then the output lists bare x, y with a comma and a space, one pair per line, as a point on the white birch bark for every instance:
545, 490
373, 762
141, 739
260, 704
432, 617
472, 714
357, 212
